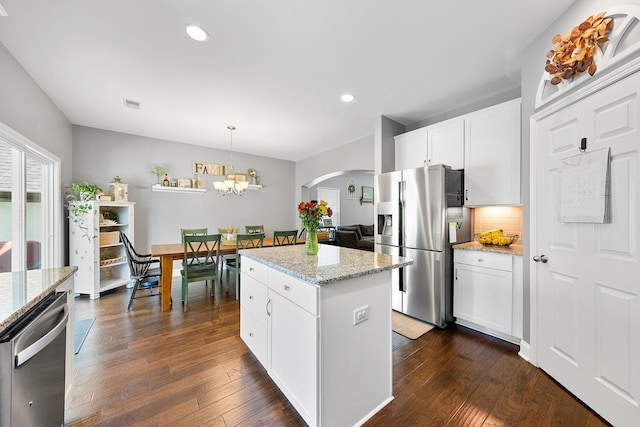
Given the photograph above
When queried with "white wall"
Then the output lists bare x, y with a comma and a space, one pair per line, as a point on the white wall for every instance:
100, 155
351, 210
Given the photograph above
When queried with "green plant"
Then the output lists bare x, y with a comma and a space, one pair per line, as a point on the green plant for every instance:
159, 171
78, 198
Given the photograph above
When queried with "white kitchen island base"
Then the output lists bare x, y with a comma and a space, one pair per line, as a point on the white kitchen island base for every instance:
326, 345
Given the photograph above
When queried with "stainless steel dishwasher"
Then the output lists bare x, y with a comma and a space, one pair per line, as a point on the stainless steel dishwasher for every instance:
32, 366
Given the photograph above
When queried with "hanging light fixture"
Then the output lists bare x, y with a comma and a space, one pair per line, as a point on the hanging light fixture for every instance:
230, 185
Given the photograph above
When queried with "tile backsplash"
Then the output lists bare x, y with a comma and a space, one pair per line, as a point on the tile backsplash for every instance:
508, 218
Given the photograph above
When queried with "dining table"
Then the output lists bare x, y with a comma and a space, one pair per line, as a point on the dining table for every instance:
170, 252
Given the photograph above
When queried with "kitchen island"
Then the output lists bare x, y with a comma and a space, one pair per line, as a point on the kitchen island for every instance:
321, 327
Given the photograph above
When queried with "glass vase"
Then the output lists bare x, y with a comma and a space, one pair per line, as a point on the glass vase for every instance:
311, 242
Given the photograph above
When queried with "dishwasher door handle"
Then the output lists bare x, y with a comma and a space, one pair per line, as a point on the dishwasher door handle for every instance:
35, 348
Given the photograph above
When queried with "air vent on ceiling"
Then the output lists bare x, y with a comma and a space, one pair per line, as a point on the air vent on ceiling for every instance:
131, 104
2, 11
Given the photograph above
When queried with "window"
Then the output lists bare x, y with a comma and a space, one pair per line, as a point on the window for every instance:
30, 205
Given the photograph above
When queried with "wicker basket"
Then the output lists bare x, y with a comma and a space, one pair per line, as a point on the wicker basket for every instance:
109, 238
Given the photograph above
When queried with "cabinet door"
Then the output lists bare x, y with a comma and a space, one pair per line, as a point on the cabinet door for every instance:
492, 155
483, 296
411, 149
446, 143
293, 338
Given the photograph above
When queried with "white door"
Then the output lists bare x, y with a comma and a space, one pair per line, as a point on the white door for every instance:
588, 305
332, 197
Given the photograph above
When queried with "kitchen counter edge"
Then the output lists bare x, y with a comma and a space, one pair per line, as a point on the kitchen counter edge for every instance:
53, 276
360, 263
475, 246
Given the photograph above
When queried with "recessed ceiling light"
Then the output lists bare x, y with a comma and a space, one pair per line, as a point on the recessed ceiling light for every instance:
347, 97
197, 33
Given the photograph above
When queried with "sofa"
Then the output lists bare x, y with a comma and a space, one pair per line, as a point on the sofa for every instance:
357, 236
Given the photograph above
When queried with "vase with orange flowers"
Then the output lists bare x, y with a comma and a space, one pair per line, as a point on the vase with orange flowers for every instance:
311, 214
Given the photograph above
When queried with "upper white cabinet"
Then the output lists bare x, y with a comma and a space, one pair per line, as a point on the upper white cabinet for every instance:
411, 149
442, 143
486, 143
492, 155
446, 143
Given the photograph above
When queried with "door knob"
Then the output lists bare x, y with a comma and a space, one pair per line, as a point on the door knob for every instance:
541, 258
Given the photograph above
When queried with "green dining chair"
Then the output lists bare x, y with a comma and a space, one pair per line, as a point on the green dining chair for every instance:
243, 241
254, 229
201, 261
288, 237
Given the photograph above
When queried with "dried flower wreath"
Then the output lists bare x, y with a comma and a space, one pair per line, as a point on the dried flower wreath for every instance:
576, 50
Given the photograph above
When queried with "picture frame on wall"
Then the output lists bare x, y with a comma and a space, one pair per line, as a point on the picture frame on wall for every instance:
327, 222
184, 183
367, 195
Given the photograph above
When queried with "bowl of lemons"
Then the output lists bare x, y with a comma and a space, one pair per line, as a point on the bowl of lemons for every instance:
495, 237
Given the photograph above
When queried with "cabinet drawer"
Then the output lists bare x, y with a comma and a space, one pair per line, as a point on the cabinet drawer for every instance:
296, 291
483, 259
254, 269
253, 298
254, 335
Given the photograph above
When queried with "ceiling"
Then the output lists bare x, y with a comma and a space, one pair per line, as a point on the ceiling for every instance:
275, 69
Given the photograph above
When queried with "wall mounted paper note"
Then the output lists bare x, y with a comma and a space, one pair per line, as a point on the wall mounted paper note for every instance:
583, 192
453, 226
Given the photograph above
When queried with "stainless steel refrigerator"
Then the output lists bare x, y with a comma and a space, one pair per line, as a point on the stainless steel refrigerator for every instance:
418, 214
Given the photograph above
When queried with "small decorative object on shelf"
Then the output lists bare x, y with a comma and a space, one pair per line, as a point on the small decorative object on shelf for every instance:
165, 182
119, 190
159, 171
254, 176
311, 214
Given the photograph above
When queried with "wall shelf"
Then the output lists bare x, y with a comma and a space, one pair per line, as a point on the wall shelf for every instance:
157, 187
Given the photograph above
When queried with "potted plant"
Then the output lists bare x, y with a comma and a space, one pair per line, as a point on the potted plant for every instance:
159, 171
78, 204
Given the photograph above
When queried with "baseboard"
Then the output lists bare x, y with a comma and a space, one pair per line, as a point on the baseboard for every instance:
488, 331
525, 351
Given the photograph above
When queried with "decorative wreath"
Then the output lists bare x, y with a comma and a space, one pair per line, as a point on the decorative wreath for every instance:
575, 51
351, 188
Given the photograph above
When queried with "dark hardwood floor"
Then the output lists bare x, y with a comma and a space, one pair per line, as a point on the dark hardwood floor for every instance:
148, 368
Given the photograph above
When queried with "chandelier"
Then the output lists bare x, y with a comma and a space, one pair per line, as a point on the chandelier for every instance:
230, 185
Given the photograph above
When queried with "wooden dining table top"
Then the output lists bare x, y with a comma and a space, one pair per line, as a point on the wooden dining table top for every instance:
169, 252
177, 249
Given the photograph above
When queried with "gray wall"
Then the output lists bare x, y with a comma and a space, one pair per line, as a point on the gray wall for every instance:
100, 155
353, 156
351, 210
26, 109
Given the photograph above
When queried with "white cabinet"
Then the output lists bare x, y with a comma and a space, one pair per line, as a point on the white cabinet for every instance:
100, 256
446, 143
492, 155
281, 320
487, 293
411, 149
442, 143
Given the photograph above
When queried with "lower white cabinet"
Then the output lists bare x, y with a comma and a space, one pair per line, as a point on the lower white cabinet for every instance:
487, 293
332, 371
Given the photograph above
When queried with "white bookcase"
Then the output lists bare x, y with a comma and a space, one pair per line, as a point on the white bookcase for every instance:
101, 259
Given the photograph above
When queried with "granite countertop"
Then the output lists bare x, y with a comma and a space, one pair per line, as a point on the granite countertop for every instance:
21, 290
475, 246
332, 264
